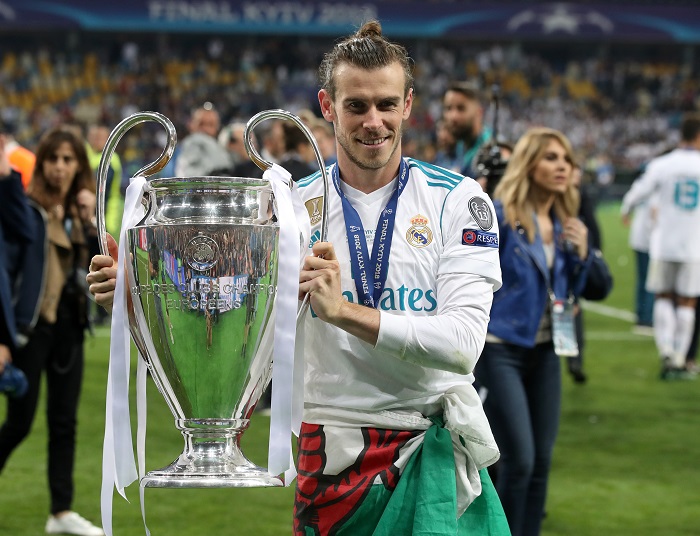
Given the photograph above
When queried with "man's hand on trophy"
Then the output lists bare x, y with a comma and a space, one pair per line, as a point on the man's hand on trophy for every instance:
320, 278
102, 277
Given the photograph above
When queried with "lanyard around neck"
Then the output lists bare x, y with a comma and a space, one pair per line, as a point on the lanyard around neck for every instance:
357, 242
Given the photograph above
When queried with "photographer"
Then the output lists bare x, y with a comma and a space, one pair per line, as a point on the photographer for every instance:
463, 115
490, 165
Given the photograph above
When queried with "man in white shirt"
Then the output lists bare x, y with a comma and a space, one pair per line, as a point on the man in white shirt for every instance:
674, 268
400, 299
394, 435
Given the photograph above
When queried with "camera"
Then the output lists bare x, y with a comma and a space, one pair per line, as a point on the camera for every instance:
13, 382
491, 162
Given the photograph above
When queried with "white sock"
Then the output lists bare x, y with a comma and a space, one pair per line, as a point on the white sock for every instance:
664, 326
685, 324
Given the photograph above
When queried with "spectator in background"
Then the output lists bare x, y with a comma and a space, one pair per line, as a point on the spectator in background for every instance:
116, 185
200, 152
599, 281
20, 158
53, 316
273, 144
299, 157
325, 137
16, 232
532, 318
232, 138
674, 258
464, 118
444, 145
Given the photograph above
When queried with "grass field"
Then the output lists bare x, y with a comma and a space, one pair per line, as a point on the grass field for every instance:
626, 461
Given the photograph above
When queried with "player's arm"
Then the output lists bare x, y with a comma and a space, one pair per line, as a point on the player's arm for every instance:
453, 338
641, 190
468, 273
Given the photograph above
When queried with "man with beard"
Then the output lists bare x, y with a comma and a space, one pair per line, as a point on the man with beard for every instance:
394, 439
463, 116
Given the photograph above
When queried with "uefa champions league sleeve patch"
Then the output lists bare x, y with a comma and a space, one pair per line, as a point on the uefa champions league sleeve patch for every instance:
477, 237
481, 212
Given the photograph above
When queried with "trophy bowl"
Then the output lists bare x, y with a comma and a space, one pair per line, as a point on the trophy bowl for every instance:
202, 277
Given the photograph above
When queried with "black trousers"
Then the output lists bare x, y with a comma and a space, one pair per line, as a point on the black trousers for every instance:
58, 350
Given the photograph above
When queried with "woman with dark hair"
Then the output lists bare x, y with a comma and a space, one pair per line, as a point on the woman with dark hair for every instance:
51, 316
545, 260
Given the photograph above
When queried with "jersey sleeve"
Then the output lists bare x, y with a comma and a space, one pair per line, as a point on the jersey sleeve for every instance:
468, 274
642, 188
452, 339
470, 234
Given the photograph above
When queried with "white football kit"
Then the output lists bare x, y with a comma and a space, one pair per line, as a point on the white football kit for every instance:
674, 178
443, 270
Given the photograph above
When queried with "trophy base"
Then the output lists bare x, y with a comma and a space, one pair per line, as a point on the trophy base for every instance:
211, 459
178, 476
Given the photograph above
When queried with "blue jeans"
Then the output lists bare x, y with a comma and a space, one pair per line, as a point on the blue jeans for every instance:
522, 404
644, 302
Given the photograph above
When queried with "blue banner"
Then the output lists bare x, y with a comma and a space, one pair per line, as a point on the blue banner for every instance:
399, 18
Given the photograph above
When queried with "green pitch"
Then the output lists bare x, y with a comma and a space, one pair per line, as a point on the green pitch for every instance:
625, 464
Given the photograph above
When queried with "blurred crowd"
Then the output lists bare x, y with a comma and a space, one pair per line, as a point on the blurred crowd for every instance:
527, 123
617, 111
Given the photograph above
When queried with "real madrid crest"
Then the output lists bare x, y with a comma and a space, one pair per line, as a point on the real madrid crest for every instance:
201, 253
419, 234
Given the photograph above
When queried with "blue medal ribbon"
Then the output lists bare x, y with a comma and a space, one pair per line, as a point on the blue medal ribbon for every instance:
369, 285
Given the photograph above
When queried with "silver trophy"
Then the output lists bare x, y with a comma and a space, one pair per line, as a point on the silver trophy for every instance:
202, 277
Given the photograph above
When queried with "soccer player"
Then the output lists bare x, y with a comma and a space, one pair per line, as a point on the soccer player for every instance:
394, 435
674, 266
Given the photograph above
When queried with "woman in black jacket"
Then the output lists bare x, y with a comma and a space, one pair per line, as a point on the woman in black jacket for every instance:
599, 282
51, 316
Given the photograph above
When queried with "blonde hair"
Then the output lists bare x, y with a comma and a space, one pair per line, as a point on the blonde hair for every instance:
515, 190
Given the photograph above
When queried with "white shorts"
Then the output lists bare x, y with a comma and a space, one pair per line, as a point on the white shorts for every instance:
681, 278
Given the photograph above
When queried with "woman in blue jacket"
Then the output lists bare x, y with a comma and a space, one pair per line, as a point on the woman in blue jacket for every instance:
544, 261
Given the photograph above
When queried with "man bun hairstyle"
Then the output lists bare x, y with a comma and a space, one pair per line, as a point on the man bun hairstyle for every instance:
368, 49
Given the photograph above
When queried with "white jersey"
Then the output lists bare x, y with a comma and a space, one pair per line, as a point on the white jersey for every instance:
443, 262
675, 179
642, 225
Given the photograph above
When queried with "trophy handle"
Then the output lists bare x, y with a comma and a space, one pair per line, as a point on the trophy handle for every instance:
145, 171
265, 165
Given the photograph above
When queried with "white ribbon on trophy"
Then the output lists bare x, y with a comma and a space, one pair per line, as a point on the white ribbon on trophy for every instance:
287, 362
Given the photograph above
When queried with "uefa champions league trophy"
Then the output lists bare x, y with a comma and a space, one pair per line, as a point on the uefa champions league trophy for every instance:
202, 271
